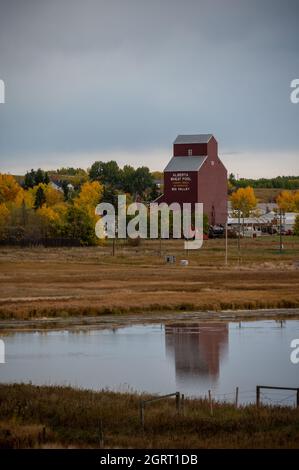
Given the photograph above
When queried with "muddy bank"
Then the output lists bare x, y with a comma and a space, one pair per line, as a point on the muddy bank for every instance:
117, 321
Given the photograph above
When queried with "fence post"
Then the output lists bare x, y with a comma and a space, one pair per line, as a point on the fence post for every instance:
178, 401
237, 397
211, 403
101, 433
142, 413
258, 395
297, 398
183, 404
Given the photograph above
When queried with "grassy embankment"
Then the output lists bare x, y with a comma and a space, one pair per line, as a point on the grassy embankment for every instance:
63, 282
52, 417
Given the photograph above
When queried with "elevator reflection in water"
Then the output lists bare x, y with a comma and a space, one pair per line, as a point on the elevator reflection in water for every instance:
197, 350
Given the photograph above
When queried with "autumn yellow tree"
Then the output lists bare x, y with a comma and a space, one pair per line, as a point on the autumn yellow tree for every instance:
51, 215
49, 220
4, 217
9, 188
89, 197
288, 201
81, 217
244, 200
24, 198
9, 192
52, 195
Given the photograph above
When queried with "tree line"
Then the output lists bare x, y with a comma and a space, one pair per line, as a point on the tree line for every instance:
32, 207
279, 182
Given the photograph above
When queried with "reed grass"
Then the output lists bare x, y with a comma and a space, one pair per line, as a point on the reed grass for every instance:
34, 416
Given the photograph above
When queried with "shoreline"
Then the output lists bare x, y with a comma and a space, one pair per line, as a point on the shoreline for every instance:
127, 319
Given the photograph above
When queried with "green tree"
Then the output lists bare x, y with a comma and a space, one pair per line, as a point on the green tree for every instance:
39, 176
40, 198
153, 193
70, 171
232, 179
127, 178
142, 180
206, 224
279, 182
29, 179
106, 173
65, 187
79, 225
46, 178
110, 195
296, 226
33, 178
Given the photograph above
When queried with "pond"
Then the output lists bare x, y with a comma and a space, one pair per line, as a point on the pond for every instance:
191, 358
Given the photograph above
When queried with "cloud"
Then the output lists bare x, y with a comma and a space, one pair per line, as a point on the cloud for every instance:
261, 164
125, 77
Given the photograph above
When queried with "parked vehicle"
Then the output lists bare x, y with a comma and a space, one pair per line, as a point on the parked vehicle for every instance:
251, 232
216, 231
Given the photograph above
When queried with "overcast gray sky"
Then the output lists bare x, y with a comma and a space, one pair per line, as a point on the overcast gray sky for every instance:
102, 79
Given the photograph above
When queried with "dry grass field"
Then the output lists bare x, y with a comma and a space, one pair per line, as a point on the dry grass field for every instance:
52, 282
267, 194
56, 417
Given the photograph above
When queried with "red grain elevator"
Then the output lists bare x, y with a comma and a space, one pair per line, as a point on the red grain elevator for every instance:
196, 174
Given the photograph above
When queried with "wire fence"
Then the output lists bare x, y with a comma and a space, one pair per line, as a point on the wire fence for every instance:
275, 397
277, 401
255, 397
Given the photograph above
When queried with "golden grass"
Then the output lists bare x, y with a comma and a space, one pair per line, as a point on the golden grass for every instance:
14, 435
32, 416
89, 281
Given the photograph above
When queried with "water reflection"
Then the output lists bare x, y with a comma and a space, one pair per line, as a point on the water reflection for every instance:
197, 349
188, 357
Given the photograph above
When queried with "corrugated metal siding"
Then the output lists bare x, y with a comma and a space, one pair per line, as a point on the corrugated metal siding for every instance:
185, 163
193, 138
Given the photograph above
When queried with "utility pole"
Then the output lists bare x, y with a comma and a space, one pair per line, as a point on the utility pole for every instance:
280, 231
114, 238
239, 233
226, 242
